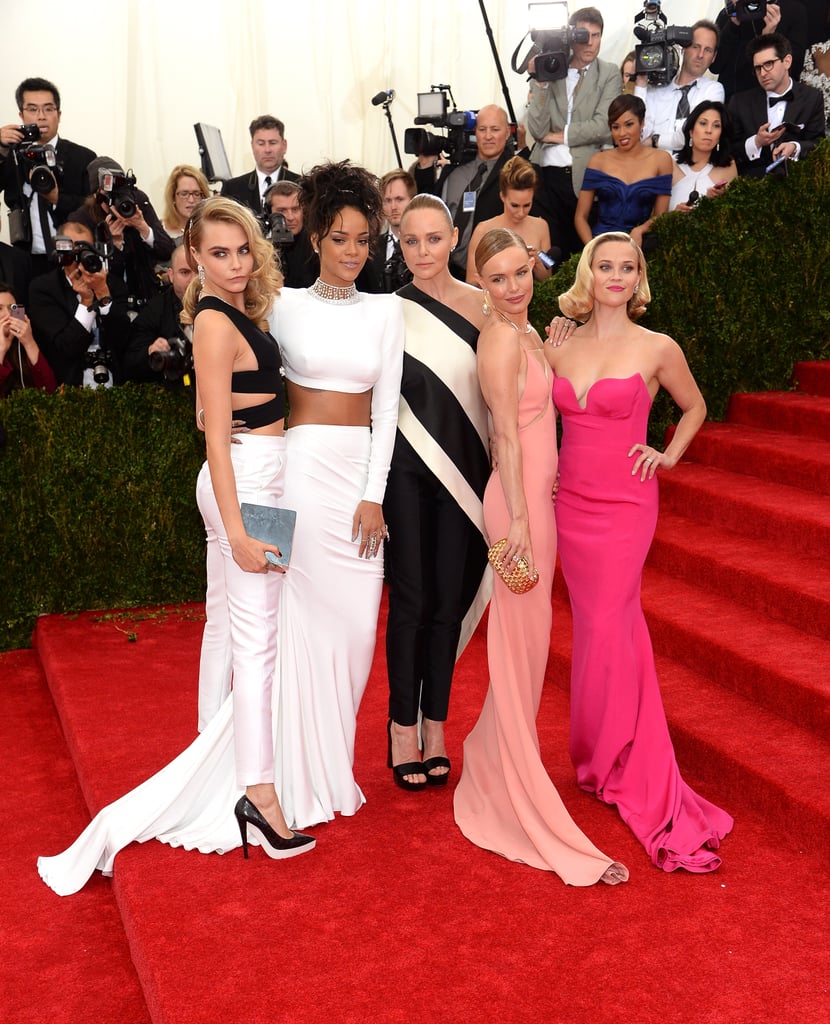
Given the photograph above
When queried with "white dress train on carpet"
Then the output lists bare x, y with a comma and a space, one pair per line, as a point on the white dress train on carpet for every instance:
327, 618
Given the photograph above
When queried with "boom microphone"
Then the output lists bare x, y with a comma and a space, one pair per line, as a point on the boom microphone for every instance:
383, 97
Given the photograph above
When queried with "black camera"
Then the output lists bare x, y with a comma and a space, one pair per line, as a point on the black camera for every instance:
175, 363
657, 56
118, 191
275, 229
93, 258
30, 133
41, 163
459, 143
746, 10
99, 361
552, 36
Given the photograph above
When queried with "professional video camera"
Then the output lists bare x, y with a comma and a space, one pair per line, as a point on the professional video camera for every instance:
746, 10
93, 258
176, 363
657, 55
118, 191
552, 39
459, 143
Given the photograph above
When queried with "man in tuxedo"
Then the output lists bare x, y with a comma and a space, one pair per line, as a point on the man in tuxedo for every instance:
268, 144
16, 268
386, 271
779, 117
79, 313
786, 17
156, 324
668, 106
569, 118
38, 211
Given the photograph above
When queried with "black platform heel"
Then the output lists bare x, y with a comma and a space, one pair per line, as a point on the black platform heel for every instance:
437, 762
277, 848
400, 770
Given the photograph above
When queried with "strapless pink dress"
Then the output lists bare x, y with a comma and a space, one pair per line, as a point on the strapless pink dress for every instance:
605, 517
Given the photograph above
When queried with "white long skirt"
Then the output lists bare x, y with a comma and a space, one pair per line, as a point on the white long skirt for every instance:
326, 640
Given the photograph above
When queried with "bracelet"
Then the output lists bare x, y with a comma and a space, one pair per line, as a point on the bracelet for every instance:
200, 416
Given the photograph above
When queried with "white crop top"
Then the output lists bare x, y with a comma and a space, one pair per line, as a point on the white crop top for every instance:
351, 348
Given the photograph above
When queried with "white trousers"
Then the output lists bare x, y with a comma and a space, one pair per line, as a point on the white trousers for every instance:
241, 628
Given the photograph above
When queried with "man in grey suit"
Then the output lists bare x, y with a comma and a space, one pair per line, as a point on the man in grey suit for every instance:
569, 119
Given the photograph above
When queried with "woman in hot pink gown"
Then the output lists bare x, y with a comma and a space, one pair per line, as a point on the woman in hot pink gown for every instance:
505, 800
606, 376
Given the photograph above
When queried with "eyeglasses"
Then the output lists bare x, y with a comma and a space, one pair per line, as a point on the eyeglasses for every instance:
188, 195
46, 108
768, 65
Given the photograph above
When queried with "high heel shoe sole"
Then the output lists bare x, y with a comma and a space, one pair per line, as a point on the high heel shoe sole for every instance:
273, 853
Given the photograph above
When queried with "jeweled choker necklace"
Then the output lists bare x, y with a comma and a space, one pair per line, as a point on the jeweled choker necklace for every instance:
528, 327
334, 294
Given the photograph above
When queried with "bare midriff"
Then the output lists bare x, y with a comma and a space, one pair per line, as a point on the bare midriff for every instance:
335, 408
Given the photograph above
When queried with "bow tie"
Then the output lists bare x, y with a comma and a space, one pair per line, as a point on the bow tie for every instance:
780, 99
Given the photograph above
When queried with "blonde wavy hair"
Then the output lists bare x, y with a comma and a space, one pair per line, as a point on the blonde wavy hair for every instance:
266, 279
171, 214
578, 301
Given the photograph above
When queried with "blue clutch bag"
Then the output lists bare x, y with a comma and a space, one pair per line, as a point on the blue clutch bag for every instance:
271, 526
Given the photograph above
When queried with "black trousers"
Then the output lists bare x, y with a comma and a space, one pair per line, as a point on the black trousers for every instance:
434, 556
556, 202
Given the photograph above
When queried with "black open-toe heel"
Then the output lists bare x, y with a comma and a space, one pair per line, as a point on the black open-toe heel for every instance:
400, 770
277, 848
437, 762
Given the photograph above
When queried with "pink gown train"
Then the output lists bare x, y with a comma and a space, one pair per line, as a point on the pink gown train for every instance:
505, 801
605, 517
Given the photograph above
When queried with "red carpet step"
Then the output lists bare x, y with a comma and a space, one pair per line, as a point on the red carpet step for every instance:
813, 378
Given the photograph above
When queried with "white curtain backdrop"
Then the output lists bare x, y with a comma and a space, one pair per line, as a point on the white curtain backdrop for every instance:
135, 76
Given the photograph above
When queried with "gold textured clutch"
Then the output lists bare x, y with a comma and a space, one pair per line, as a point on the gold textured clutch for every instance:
517, 574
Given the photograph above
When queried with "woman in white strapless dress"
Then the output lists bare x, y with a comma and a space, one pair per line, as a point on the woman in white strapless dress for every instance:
704, 166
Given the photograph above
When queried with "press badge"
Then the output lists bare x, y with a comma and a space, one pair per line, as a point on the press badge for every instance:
468, 202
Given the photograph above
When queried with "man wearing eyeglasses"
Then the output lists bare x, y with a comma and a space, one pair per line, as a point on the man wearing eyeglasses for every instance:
39, 103
779, 117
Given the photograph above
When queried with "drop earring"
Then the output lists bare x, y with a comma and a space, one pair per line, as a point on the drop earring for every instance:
485, 306
201, 271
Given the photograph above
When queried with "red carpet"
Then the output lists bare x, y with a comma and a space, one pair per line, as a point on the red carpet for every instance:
396, 916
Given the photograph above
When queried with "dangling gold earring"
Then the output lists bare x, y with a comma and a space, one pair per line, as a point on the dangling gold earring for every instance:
486, 308
201, 271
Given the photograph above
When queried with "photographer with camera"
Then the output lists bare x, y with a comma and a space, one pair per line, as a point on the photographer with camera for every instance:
159, 349
122, 218
740, 22
779, 117
568, 116
79, 311
669, 104
42, 175
299, 263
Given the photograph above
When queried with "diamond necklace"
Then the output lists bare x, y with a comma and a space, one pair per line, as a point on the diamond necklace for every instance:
519, 330
333, 293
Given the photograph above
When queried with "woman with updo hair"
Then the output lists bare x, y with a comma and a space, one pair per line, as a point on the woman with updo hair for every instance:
437, 556
518, 182
186, 187
342, 353
630, 183
606, 376
505, 800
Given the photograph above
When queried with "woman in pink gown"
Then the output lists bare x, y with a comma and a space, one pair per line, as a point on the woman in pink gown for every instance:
606, 376
505, 800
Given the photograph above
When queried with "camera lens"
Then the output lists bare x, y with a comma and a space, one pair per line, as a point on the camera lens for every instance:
125, 207
91, 262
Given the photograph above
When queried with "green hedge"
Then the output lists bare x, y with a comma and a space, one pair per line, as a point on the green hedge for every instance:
97, 487
98, 503
742, 284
